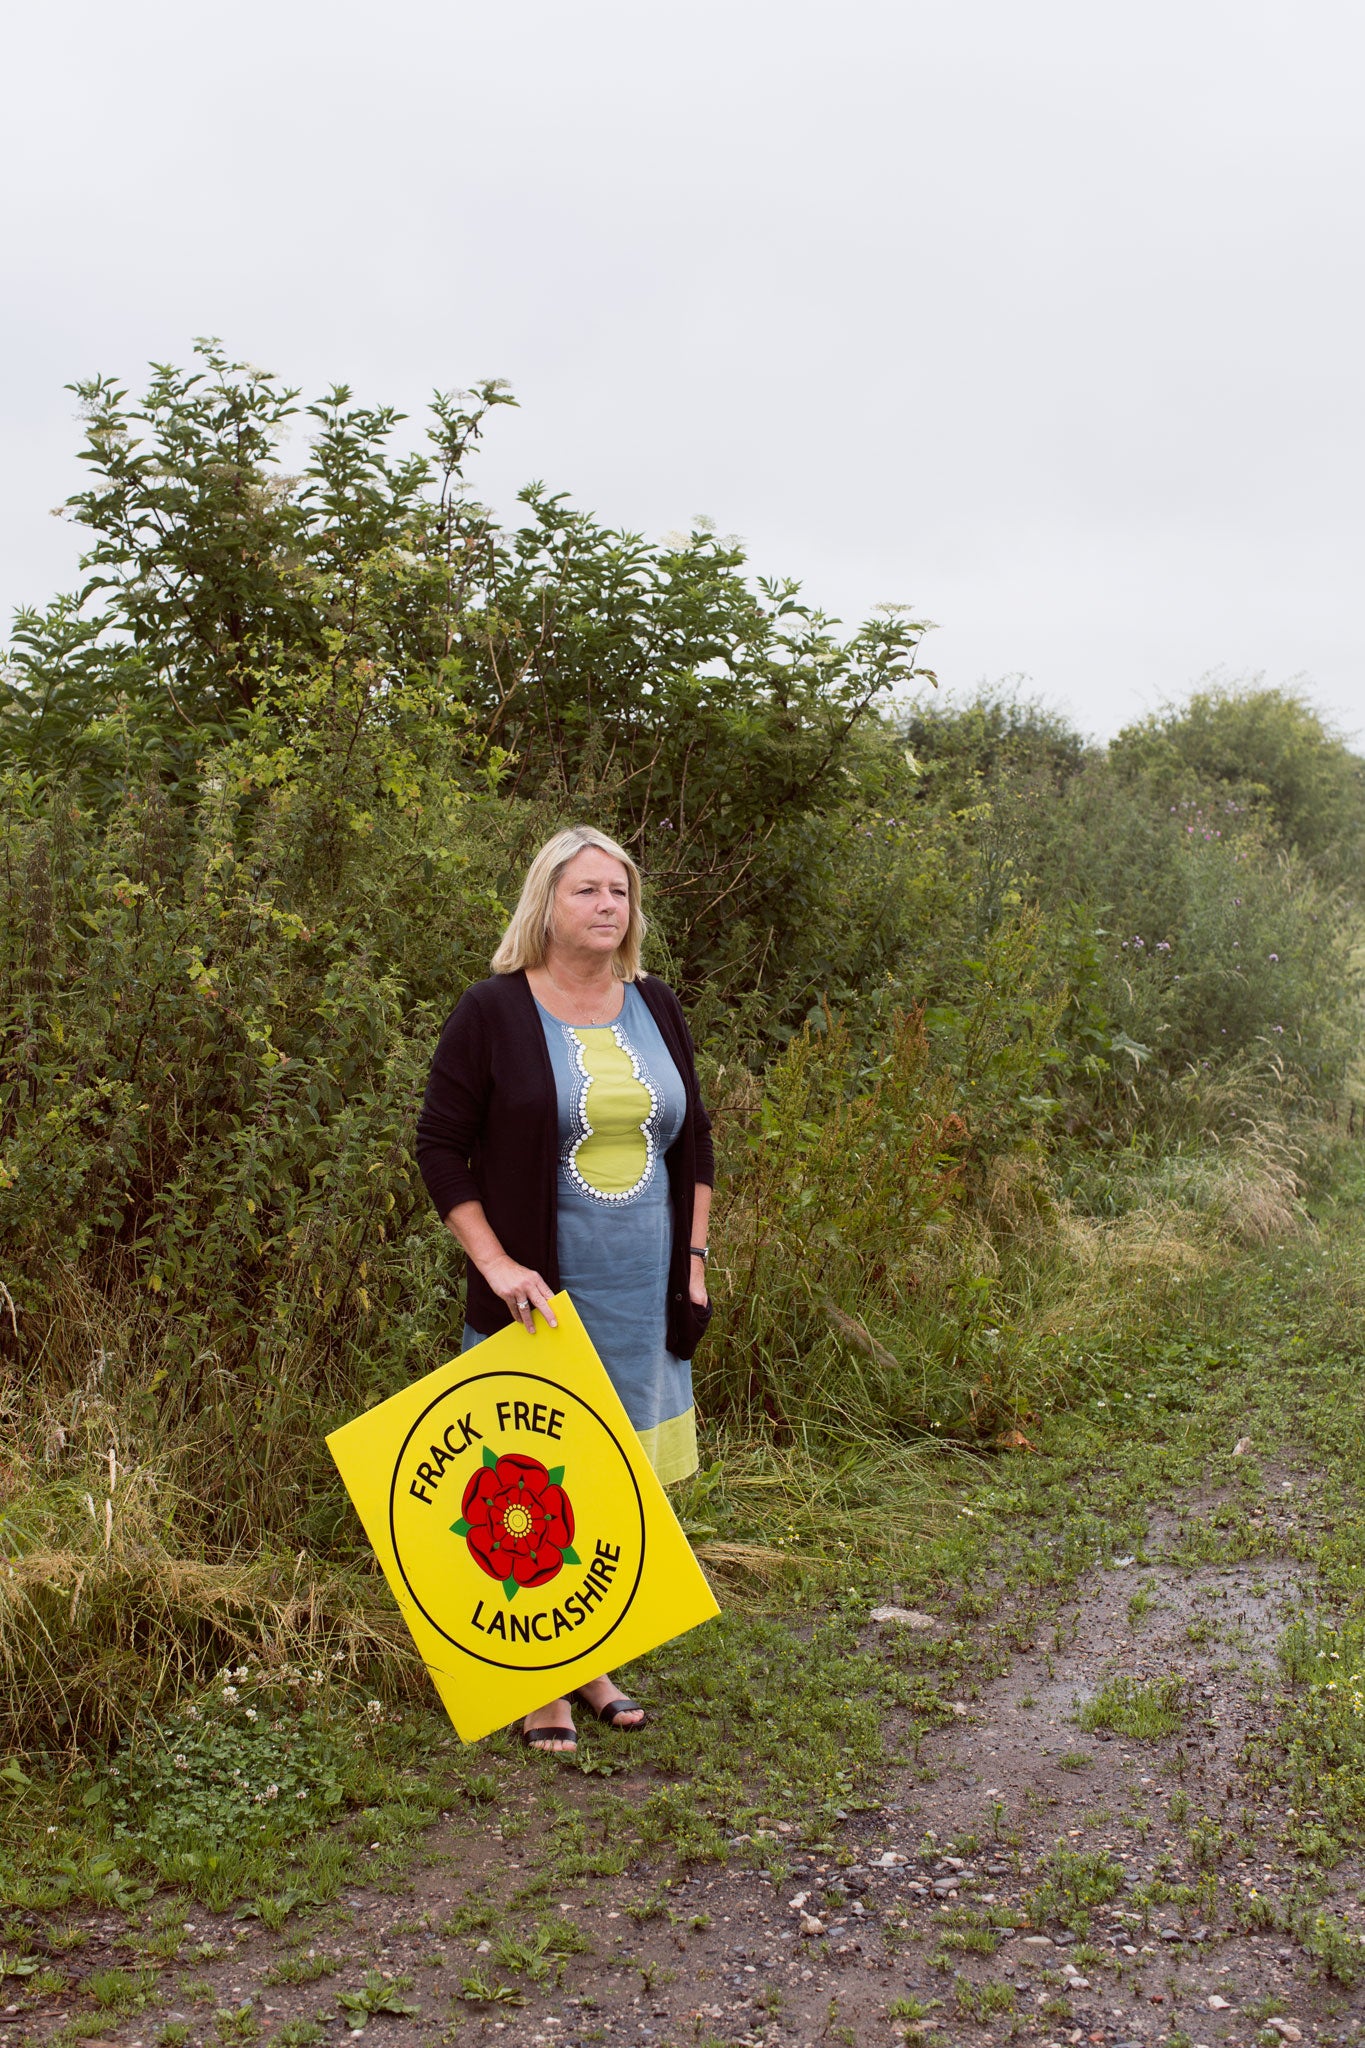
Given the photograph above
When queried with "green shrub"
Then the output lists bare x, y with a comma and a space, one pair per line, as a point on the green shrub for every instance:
969, 992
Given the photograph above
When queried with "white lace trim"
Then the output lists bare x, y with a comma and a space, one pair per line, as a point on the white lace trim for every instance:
648, 1127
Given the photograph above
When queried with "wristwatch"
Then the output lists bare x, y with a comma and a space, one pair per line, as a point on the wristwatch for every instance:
702, 1252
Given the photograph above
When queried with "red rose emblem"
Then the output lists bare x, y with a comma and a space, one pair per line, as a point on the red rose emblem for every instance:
517, 1520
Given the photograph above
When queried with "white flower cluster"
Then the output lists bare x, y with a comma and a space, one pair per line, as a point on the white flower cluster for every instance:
1350, 1690
1353, 1691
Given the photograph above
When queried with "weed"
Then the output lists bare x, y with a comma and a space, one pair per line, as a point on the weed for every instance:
273, 1911
45, 1983
237, 2025
1338, 1952
1073, 1883
165, 1946
554, 1941
480, 1989
1144, 1713
652, 1907
1074, 1760
1208, 1843
975, 1940
192, 1991
377, 1994
173, 2034
1317, 1752
982, 2001
116, 1990
300, 2033
253, 1756
304, 1969
474, 1916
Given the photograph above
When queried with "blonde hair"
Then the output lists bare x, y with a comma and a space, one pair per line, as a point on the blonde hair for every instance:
523, 943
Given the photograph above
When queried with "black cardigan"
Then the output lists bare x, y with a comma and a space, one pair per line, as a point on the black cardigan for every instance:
489, 1132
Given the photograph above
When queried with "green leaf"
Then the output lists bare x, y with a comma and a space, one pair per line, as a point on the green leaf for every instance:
489, 1457
460, 1528
509, 1587
556, 1475
570, 1555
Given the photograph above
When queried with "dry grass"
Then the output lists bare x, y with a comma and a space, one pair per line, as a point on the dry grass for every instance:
103, 1619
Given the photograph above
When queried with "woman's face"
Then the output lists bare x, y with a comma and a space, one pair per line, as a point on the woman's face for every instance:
592, 904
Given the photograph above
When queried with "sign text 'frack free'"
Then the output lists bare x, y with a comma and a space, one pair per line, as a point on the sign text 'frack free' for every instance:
519, 1523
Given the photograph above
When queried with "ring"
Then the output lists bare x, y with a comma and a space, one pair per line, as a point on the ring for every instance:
523, 1304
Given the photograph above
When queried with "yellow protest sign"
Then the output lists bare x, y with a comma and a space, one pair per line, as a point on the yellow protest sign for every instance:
519, 1523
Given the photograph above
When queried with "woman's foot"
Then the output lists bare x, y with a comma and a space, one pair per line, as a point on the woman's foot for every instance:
600, 1693
551, 1729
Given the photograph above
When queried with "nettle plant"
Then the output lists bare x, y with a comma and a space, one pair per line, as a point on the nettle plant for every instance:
256, 1756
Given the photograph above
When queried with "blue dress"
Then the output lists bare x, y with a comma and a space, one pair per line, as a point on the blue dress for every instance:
621, 1104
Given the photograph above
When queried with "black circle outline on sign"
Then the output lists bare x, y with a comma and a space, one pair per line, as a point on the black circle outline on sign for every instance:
536, 1379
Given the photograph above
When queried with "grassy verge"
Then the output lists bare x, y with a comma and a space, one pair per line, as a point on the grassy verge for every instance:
270, 1787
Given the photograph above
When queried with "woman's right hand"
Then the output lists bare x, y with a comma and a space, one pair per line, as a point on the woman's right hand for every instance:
521, 1290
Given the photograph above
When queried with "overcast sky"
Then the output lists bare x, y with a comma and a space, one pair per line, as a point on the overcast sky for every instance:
1045, 318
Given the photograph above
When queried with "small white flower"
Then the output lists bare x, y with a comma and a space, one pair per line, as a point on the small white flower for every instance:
242, 1673
373, 1709
252, 1715
229, 1693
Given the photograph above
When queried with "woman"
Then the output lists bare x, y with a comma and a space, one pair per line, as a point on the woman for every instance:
565, 1143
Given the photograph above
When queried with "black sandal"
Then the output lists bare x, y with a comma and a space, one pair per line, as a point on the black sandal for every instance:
613, 1711
543, 1738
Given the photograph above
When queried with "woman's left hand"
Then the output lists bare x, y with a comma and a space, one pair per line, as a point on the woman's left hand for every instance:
697, 1289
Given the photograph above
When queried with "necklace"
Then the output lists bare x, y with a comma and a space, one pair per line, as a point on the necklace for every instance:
581, 1002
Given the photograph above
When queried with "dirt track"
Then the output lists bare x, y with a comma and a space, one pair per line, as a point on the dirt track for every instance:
726, 1956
